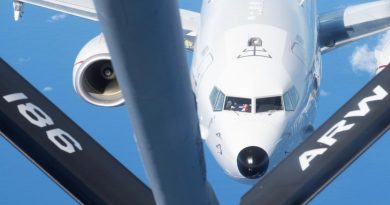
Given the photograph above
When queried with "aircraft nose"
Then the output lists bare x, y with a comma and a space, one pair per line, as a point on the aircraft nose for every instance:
252, 162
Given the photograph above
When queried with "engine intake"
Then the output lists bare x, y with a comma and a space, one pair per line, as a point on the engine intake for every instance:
93, 75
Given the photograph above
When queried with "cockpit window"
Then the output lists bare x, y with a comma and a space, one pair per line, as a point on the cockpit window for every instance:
268, 104
216, 99
238, 104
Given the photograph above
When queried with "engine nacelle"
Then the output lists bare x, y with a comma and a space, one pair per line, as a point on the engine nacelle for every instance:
93, 75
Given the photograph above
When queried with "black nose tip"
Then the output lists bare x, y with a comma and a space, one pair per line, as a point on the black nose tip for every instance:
252, 162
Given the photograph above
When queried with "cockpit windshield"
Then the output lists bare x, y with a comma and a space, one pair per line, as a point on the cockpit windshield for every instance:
238, 104
268, 104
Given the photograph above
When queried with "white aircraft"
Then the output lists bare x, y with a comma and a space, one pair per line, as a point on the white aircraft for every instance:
256, 71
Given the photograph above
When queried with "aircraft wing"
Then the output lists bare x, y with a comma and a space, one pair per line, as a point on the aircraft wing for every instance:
81, 8
337, 28
86, 9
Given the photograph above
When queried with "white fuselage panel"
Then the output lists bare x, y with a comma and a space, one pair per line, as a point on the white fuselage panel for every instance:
255, 49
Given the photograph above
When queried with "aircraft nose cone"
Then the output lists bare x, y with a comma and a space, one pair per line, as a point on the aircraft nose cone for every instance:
252, 162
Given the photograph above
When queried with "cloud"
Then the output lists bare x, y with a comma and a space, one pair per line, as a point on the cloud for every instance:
324, 93
57, 17
365, 58
48, 89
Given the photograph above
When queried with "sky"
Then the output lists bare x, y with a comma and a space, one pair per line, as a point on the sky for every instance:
43, 46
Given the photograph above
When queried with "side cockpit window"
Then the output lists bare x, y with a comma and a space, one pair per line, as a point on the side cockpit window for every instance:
291, 99
269, 104
217, 99
238, 104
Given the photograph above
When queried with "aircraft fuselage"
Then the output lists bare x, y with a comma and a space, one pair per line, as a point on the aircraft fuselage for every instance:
255, 73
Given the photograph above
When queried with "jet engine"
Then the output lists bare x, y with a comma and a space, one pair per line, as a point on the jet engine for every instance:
93, 75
